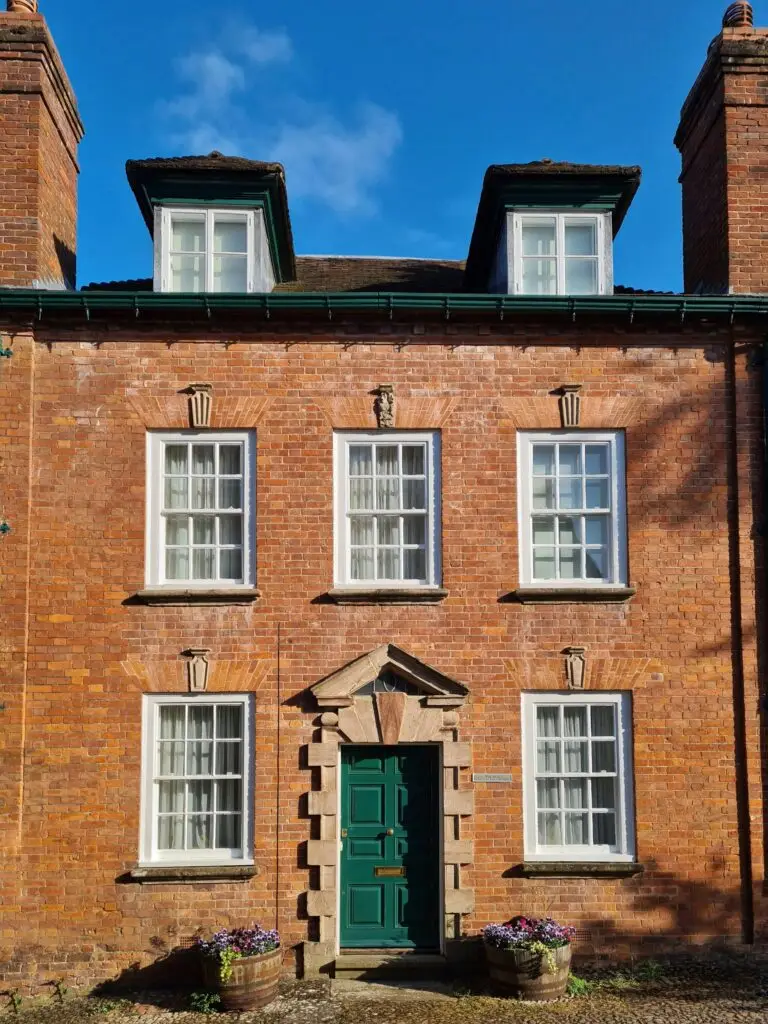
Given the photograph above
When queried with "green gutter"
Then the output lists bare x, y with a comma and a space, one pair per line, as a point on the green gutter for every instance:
40, 303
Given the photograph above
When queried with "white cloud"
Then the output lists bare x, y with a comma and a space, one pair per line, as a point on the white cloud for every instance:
222, 104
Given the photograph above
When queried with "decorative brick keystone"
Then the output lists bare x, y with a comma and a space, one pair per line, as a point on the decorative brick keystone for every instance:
384, 406
570, 404
200, 405
197, 668
575, 667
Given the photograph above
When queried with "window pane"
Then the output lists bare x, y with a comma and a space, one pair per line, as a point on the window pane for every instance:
228, 831
200, 723
389, 529
597, 494
539, 239
199, 758
229, 459
597, 565
415, 564
230, 530
544, 563
604, 829
177, 564
176, 491
230, 494
543, 493
386, 460
602, 721
581, 277
580, 240
187, 235
360, 463
230, 274
575, 793
570, 563
548, 756
229, 795
230, 236
570, 492
203, 459
176, 458
576, 830
539, 277
361, 493
231, 564
361, 530
414, 494
200, 796
389, 564
170, 833
603, 757
362, 564
548, 793
569, 530
575, 756
199, 832
171, 759
596, 459
204, 529
203, 492
547, 721
596, 529
172, 719
187, 273
229, 719
388, 492
228, 759
414, 530
543, 530
569, 461
177, 530
413, 459
544, 459
574, 721
204, 564
603, 794
549, 833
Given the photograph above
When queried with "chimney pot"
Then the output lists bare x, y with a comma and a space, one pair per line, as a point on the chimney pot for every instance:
22, 6
738, 15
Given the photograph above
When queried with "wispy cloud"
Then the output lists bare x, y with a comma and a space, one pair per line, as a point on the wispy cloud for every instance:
222, 103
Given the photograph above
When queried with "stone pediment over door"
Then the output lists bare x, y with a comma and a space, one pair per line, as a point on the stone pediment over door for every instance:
388, 696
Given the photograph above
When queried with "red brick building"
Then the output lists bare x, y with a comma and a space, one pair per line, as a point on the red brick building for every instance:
378, 600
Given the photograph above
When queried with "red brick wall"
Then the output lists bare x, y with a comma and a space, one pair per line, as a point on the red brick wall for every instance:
91, 655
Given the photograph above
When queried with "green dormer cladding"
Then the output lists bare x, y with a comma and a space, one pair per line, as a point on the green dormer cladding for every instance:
219, 224
547, 228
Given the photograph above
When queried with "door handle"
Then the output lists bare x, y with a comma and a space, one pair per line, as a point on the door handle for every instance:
390, 831
344, 833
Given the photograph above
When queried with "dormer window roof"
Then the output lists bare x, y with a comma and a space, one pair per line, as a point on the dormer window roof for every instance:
547, 228
219, 224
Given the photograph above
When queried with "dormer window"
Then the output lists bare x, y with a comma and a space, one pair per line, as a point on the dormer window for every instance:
208, 251
561, 254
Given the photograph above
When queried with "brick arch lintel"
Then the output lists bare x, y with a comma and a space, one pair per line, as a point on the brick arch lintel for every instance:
171, 412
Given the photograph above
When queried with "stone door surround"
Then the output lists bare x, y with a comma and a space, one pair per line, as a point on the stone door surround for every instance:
430, 716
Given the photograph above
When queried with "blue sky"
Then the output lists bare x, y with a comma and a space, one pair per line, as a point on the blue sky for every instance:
384, 114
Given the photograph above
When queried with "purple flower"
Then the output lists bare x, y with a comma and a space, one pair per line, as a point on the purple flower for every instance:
522, 932
243, 941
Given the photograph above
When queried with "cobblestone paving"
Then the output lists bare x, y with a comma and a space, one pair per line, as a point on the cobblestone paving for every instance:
729, 989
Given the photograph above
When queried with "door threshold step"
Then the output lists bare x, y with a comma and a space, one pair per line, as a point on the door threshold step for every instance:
374, 965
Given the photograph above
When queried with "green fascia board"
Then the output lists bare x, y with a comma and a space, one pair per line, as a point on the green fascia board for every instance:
552, 195
224, 191
195, 306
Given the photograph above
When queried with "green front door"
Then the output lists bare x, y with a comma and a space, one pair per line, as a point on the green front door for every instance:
390, 872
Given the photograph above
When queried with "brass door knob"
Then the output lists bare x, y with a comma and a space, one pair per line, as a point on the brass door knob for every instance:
390, 831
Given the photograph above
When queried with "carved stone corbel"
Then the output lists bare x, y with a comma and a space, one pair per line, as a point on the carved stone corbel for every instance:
570, 405
575, 667
200, 405
384, 406
197, 668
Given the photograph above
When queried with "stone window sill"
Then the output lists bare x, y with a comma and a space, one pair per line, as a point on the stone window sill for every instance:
387, 595
194, 873
167, 596
570, 595
580, 869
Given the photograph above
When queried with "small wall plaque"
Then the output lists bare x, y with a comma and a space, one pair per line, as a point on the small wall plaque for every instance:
494, 777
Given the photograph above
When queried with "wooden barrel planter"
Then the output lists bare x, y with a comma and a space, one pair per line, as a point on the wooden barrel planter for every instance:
253, 983
518, 972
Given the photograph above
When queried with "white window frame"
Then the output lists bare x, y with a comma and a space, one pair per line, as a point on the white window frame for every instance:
148, 853
342, 554
624, 851
617, 550
208, 214
155, 522
603, 234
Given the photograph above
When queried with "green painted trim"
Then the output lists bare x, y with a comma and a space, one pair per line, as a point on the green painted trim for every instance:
446, 306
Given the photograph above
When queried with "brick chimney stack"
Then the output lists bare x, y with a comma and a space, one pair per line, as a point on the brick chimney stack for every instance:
723, 142
40, 130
